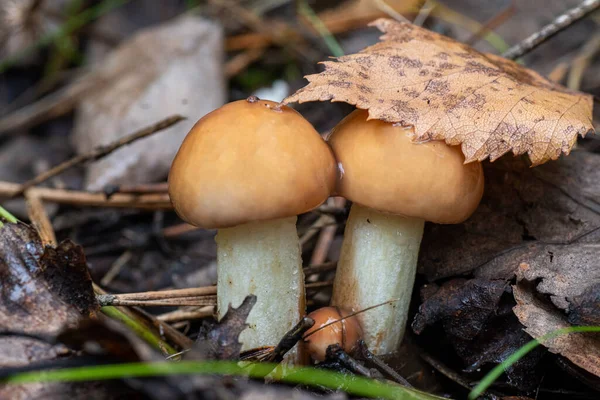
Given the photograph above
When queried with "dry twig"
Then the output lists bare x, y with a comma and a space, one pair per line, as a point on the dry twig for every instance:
560, 23
326, 236
101, 151
187, 314
582, 61
39, 219
159, 201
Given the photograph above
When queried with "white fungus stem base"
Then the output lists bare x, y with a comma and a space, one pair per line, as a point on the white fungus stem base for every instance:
378, 263
262, 258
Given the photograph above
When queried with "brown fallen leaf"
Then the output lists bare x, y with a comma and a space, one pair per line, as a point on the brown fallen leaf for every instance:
449, 91
42, 292
555, 203
540, 319
584, 309
221, 342
27, 280
477, 320
462, 305
561, 271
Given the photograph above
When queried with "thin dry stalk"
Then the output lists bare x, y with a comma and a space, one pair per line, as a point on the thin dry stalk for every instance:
319, 268
51, 106
326, 236
169, 294
318, 285
493, 23
560, 23
321, 222
39, 219
108, 300
142, 188
82, 198
241, 61
101, 151
583, 61
116, 267
201, 296
143, 317
187, 314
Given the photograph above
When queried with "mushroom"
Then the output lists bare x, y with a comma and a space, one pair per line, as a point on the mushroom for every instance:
248, 169
395, 185
346, 332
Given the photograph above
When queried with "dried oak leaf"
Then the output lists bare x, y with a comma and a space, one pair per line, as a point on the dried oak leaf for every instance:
539, 318
450, 91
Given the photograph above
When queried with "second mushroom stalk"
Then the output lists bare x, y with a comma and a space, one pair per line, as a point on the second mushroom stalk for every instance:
395, 185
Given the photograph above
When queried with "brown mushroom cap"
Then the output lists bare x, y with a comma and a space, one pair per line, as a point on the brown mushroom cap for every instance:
250, 160
382, 168
346, 332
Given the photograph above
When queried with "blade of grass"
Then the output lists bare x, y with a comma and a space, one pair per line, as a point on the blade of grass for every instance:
354, 385
8, 217
332, 44
491, 377
139, 329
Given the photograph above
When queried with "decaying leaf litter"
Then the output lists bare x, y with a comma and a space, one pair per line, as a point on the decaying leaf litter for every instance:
536, 228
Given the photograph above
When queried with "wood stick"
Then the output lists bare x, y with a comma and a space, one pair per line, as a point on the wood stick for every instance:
326, 236
560, 23
101, 151
168, 294
82, 198
108, 300
187, 314
39, 219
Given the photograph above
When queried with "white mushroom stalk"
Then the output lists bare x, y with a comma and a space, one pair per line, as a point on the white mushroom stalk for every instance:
248, 169
262, 258
377, 264
396, 185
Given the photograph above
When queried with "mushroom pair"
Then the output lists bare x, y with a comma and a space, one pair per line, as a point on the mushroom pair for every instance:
248, 169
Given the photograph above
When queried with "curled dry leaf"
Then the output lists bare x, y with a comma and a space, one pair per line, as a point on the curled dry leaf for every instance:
449, 91
540, 319
563, 272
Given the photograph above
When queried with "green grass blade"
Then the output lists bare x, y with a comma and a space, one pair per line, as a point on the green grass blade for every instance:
495, 373
8, 217
330, 40
140, 330
354, 385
